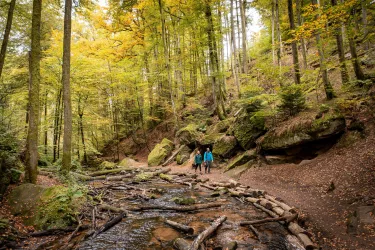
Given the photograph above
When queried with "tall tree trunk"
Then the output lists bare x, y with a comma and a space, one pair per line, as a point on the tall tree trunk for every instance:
364, 23
356, 65
238, 38
341, 52
243, 25
234, 50
323, 67
31, 171
8, 27
67, 146
82, 135
299, 4
56, 124
278, 34
297, 75
167, 61
273, 31
217, 89
45, 123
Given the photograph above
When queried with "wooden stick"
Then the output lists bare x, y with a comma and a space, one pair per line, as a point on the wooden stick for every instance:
111, 208
56, 231
256, 232
180, 226
109, 224
208, 187
206, 233
110, 171
266, 210
279, 203
285, 218
178, 208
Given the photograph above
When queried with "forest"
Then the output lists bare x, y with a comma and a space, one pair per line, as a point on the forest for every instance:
105, 105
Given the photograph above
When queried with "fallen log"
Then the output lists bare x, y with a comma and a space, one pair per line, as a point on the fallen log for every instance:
272, 214
306, 241
111, 208
279, 203
208, 187
109, 224
178, 208
181, 244
180, 226
294, 243
252, 200
172, 157
285, 218
206, 233
116, 178
110, 171
296, 229
162, 171
57, 231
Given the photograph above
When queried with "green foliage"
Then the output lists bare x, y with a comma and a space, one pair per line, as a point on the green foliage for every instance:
183, 200
292, 99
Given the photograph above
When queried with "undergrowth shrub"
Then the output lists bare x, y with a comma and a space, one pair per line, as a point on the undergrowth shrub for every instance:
292, 99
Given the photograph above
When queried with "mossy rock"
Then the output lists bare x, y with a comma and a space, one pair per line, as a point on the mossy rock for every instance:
165, 177
225, 147
309, 130
189, 135
210, 139
249, 155
238, 171
183, 155
4, 224
107, 165
247, 129
184, 200
221, 126
143, 177
127, 162
45, 208
160, 152
15, 175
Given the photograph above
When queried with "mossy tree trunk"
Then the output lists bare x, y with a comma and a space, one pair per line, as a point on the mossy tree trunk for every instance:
32, 136
67, 146
8, 27
297, 75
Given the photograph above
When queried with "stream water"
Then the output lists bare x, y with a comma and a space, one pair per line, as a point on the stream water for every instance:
147, 230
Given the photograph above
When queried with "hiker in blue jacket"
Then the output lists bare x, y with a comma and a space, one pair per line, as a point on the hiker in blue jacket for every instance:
208, 160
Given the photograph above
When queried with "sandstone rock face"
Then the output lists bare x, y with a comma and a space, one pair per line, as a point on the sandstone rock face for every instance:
241, 159
189, 135
225, 147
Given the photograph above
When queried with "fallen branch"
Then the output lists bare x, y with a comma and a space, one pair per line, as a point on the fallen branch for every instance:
172, 157
82, 177
111, 208
109, 224
256, 232
285, 218
110, 171
177, 208
208, 187
206, 233
180, 226
181, 244
266, 210
57, 231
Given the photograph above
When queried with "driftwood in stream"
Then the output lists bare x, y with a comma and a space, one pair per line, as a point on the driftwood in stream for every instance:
111, 208
285, 218
172, 157
180, 226
109, 224
117, 177
110, 171
57, 231
178, 208
306, 241
206, 233
82, 177
279, 203
181, 244
208, 187
266, 210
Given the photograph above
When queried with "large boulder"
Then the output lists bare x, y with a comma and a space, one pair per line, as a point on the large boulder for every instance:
127, 162
247, 129
210, 139
221, 126
160, 152
225, 147
107, 165
296, 132
189, 135
183, 155
45, 208
241, 159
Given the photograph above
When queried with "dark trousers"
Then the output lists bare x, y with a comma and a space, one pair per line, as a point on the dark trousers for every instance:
198, 165
207, 166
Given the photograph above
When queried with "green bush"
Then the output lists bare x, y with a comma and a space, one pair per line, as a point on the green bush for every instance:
292, 99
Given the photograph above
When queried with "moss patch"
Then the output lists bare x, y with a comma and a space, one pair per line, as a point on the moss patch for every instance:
143, 177
242, 159
183, 200
225, 146
107, 165
165, 177
189, 135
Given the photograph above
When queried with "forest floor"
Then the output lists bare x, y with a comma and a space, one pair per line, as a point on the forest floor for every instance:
305, 186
